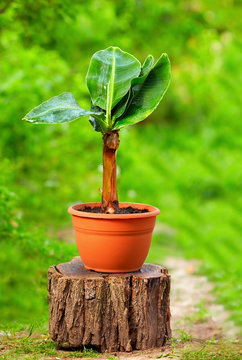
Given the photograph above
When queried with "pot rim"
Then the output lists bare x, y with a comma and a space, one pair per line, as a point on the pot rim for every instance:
74, 210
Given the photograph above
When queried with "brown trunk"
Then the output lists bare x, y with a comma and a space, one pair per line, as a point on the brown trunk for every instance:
110, 312
109, 193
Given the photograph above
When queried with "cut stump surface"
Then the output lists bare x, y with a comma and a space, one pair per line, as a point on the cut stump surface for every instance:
109, 312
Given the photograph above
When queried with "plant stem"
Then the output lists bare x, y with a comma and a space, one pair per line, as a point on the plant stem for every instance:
110, 194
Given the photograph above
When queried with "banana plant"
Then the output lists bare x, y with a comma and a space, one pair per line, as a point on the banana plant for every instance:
123, 92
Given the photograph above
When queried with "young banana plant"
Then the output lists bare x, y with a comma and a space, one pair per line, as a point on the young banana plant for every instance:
123, 92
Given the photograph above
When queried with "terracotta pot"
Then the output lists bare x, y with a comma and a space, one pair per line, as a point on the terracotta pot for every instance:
113, 243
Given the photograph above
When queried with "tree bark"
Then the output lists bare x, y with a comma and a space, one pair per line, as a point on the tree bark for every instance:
109, 193
109, 312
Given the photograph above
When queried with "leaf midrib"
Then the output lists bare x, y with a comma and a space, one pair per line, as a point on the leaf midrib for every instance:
110, 90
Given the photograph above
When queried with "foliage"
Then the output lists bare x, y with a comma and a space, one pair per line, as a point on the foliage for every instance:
24, 258
8, 220
185, 159
122, 92
59, 109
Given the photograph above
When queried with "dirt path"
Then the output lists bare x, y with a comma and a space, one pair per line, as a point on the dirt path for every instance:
193, 305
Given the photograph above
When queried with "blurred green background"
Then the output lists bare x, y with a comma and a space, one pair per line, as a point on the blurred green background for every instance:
185, 159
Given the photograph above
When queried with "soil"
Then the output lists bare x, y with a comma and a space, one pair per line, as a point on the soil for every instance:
125, 210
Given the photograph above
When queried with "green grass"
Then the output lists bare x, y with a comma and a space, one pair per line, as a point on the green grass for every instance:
17, 347
30, 345
223, 352
184, 347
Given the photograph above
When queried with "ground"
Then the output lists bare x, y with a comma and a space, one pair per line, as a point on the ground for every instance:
201, 327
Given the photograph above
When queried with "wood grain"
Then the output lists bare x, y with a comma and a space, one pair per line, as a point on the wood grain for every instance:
110, 312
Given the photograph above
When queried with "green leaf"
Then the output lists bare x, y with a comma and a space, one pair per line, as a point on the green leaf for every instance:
145, 70
120, 108
109, 77
146, 67
59, 109
123, 104
95, 124
98, 120
136, 83
149, 94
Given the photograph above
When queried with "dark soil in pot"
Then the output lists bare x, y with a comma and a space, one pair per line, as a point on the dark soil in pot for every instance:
125, 210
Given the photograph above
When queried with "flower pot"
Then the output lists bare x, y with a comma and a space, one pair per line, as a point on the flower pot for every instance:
113, 243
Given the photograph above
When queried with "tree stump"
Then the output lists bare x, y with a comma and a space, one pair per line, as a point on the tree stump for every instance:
109, 312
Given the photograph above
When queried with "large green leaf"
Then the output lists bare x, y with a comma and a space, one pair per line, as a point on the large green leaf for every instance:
59, 109
136, 83
123, 104
109, 77
150, 92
